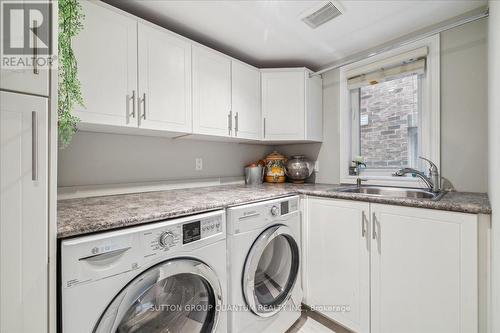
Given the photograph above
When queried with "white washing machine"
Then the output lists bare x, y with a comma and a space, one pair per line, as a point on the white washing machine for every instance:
265, 290
167, 277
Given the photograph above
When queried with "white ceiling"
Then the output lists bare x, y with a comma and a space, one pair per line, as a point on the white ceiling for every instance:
270, 33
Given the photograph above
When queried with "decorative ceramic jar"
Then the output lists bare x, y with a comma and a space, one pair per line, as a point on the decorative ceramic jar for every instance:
298, 168
275, 168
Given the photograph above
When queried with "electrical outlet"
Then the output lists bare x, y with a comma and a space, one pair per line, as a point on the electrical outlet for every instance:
198, 164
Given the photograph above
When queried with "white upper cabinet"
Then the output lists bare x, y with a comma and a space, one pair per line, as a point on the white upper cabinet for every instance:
424, 271
139, 78
291, 105
23, 213
164, 80
106, 51
30, 80
283, 98
211, 93
245, 91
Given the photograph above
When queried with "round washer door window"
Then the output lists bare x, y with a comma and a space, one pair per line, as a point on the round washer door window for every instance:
271, 271
181, 296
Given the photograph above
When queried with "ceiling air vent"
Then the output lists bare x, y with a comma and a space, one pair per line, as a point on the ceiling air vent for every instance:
319, 16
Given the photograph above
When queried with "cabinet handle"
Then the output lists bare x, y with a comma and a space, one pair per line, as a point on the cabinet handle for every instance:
264, 135
34, 146
230, 122
363, 224
133, 104
143, 101
374, 226
36, 71
236, 124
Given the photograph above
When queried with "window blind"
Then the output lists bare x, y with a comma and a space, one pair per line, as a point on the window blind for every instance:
408, 63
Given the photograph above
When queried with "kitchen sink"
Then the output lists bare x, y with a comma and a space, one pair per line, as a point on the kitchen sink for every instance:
393, 192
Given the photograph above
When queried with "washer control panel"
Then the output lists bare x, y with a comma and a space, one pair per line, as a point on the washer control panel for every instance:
163, 239
284, 207
173, 236
212, 226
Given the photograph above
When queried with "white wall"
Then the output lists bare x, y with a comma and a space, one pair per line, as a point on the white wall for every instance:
494, 154
464, 124
105, 158
464, 106
99, 159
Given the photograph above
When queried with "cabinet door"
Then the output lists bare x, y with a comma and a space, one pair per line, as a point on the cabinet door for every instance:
211, 93
23, 213
338, 261
424, 271
314, 108
283, 105
164, 80
106, 51
246, 100
26, 80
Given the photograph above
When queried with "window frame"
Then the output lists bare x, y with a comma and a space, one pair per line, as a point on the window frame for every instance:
430, 115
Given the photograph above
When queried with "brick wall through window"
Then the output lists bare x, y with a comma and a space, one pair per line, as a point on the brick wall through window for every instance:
389, 123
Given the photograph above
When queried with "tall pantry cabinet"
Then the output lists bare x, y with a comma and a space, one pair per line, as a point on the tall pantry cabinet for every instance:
27, 221
23, 213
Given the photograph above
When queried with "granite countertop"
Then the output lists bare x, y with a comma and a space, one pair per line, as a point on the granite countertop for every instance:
88, 215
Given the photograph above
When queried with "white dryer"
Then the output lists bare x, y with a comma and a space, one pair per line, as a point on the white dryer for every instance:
265, 292
163, 277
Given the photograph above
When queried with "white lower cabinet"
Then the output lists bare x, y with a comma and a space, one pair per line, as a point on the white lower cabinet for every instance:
424, 271
23, 214
410, 270
338, 261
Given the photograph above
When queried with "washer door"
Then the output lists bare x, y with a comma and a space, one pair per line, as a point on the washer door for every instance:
180, 295
271, 270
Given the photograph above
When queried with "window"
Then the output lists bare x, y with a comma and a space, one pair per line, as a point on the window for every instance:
386, 123
390, 113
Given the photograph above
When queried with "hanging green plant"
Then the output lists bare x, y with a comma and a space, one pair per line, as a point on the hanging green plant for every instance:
70, 24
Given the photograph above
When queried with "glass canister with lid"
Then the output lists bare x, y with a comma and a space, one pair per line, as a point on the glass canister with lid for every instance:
298, 168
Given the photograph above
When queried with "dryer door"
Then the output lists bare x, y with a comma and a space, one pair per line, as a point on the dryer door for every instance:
271, 270
180, 295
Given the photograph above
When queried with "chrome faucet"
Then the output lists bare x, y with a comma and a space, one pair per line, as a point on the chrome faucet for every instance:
359, 180
433, 181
